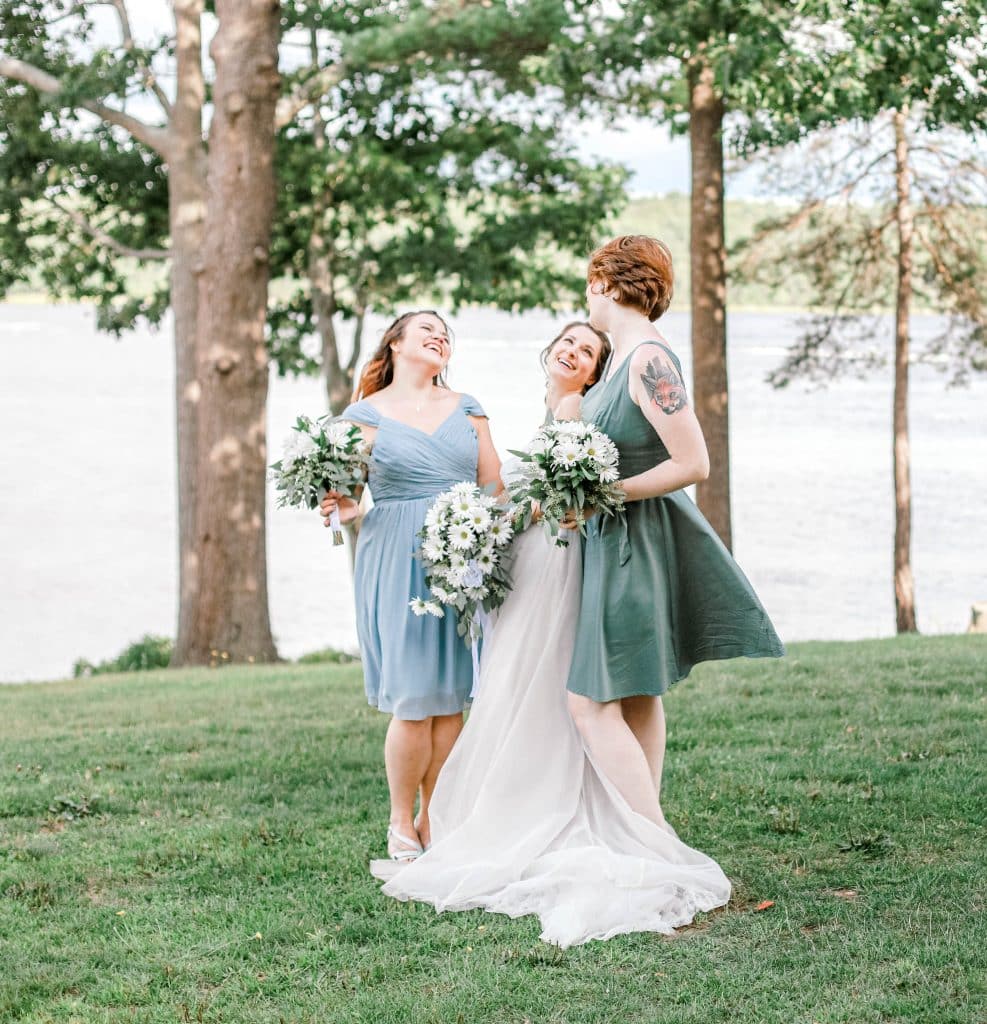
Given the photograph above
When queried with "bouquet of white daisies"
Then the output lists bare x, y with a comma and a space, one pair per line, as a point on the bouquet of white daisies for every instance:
569, 466
464, 541
322, 455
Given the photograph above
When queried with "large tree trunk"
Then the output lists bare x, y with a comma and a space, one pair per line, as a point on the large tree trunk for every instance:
708, 287
230, 619
904, 584
186, 202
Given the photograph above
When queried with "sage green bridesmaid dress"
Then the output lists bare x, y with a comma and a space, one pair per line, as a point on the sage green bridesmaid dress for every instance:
661, 593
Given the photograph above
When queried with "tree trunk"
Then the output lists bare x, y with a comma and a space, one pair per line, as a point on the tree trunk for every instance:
708, 287
186, 212
230, 620
339, 382
904, 584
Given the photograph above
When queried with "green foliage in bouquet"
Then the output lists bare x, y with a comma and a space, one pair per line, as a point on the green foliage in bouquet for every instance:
321, 455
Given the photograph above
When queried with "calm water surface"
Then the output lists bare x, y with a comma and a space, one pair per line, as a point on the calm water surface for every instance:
87, 487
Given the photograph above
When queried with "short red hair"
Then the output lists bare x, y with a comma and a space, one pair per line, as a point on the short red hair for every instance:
637, 271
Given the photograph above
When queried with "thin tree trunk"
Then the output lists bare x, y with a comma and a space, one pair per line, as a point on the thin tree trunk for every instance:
230, 616
339, 386
904, 584
708, 287
186, 213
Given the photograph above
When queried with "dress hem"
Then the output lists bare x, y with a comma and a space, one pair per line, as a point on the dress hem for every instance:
720, 654
455, 708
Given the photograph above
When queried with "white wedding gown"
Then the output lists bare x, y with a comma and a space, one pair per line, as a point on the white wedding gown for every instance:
522, 821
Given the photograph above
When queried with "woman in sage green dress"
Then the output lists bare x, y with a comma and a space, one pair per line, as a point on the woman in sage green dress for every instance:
661, 592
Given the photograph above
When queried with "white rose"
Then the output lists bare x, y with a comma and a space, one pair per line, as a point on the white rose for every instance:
454, 577
539, 445
338, 432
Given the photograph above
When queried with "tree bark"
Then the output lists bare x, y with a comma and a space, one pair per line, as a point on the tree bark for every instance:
186, 212
338, 381
229, 617
708, 288
904, 584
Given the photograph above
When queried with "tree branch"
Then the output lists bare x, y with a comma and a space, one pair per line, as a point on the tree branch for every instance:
108, 240
308, 92
128, 44
154, 137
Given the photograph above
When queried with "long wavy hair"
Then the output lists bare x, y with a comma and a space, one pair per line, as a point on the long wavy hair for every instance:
379, 371
601, 362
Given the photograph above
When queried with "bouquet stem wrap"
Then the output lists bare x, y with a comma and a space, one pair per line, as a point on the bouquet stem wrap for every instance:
336, 526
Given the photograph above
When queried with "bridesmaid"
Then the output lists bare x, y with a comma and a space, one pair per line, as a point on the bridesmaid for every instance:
661, 593
425, 438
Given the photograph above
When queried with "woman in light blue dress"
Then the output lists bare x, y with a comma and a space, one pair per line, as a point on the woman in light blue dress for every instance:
424, 438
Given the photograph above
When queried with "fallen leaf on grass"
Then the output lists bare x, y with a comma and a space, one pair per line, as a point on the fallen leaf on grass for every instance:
846, 894
763, 905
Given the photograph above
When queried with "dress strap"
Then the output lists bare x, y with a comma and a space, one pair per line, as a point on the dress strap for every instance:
362, 412
471, 406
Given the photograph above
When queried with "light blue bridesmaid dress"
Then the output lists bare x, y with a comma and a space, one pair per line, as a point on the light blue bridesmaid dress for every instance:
413, 667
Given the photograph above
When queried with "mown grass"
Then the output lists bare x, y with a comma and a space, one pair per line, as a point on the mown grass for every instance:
193, 846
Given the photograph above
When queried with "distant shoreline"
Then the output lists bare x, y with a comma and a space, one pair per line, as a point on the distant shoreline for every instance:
40, 299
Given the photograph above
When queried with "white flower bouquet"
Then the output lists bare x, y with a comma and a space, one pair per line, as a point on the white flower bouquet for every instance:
464, 540
322, 455
569, 467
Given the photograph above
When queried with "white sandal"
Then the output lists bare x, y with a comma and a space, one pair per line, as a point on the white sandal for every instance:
411, 850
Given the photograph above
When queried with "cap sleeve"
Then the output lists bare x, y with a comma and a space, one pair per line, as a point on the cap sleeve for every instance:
362, 412
472, 407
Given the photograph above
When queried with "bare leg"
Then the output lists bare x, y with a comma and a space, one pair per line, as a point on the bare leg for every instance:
646, 718
445, 732
618, 754
407, 753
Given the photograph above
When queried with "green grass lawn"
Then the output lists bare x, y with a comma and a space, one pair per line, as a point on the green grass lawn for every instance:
193, 846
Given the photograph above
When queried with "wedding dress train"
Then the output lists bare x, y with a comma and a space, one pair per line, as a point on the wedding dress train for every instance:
522, 821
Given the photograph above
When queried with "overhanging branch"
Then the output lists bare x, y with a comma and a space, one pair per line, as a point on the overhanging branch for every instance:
108, 240
307, 93
128, 44
152, 136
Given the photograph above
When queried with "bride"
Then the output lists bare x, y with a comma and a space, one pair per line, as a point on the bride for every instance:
522, 820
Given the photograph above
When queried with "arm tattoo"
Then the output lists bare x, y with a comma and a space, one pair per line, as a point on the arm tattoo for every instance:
664, 386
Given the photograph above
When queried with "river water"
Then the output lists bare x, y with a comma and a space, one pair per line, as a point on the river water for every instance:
88, 507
